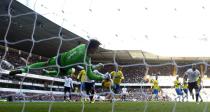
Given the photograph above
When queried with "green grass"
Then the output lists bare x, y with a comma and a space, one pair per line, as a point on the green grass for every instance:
105, 107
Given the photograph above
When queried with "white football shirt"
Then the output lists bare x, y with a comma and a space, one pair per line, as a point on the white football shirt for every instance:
68, 82
192, 75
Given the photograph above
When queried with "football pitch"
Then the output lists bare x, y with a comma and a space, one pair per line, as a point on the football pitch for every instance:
106, 107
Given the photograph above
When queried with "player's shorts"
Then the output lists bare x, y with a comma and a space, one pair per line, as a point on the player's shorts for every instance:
155, 91
82, 86
179, 91
185, 91
89, 86
192, 85
124, 93
67, 89
116, 88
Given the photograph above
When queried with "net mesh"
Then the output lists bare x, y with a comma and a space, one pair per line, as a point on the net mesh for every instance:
134, 73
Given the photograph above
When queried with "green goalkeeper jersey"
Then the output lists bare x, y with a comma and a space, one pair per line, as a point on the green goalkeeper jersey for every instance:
74, 56
77, 55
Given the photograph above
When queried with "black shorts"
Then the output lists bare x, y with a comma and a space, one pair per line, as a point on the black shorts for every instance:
89, 86
67, 89
192, 85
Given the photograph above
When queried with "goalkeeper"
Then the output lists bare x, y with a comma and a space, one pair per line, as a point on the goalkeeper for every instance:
78, 55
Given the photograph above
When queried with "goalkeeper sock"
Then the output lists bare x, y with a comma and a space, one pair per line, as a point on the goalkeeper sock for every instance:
14, 72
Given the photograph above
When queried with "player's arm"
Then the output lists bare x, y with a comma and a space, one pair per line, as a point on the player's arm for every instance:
159, 89
50, 72
112, 83
98, 73
102, 83
112, 74
122, 76
93, 76
98, 66
79, 75
72, 86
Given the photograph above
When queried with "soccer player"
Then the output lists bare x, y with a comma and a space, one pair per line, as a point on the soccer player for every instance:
87, 84
192, 75
81, 77
68, 86
90, 89
107, 86
117, 77
178, 89
199, 81
124, 93
155, 88
80, 54
185, 89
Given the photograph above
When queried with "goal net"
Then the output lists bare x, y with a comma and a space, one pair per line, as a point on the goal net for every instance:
35, 31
